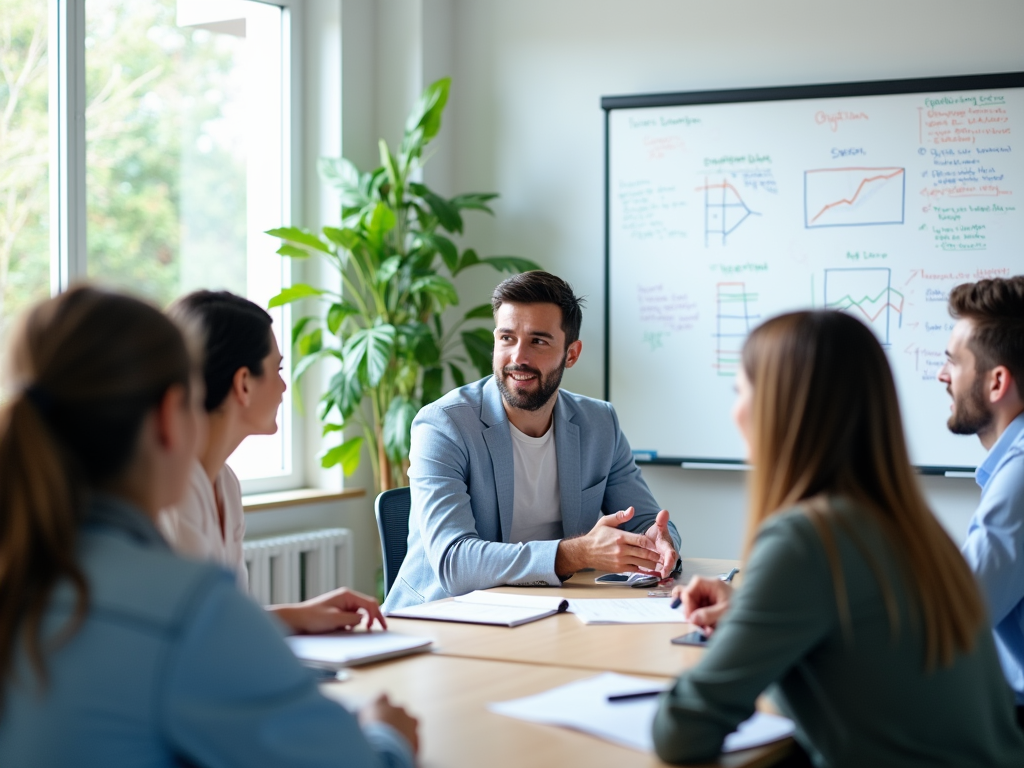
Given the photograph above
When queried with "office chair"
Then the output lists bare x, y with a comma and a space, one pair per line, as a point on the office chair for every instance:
392, 511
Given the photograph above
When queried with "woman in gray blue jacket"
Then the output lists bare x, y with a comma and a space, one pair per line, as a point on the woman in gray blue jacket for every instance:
114, 651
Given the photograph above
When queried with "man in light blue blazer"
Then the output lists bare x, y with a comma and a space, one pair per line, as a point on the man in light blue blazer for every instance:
515, 481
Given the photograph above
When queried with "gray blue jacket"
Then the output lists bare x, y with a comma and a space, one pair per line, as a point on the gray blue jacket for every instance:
173, 666
462, 477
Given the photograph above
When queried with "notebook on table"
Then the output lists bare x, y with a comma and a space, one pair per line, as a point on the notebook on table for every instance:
481, 607
350, 649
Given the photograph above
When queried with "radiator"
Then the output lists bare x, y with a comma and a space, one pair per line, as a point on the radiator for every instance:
288, 569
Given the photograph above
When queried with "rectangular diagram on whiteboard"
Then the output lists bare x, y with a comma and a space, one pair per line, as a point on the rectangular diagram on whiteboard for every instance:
854, 197
866, 293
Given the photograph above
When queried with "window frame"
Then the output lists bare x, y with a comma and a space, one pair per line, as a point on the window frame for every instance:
68, 250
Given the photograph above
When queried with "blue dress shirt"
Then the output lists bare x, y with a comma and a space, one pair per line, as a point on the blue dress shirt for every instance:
995, 548
172, 666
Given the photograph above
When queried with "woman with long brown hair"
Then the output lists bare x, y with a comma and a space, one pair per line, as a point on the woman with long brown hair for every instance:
855, 604
114, 651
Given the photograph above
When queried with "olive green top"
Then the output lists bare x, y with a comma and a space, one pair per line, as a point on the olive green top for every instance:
858, 700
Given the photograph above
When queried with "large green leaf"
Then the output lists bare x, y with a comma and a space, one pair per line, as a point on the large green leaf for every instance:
512, 264
427, 351
307, 362
437, 287
382, 221
294, 293
479, 344
347, 454
469, 258
344, 391
388, 269
476, 201
457, 375
444, 246
433, 383
426, 115
337, 313
310, 343
348, 239
344, 176
299, 326
483, 312
447, 214
300, 236
369, 350
293, 252
395, 176
398, 427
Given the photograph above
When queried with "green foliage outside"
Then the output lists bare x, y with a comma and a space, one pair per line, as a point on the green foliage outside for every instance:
391, 251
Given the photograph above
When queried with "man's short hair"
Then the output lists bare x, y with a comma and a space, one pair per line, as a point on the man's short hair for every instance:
539, 287
996, 311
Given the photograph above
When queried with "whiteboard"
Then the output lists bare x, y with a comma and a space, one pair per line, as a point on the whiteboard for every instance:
725, 208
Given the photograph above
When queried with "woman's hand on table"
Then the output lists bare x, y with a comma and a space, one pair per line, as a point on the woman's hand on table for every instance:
332, 611
704, 601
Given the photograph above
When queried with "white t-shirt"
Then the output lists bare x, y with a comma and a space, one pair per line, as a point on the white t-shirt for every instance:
536, 508
193, 528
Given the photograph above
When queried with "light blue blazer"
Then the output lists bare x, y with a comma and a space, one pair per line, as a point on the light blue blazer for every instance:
462, 477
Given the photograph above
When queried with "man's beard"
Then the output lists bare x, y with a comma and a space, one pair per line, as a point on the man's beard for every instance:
532, 401
970, 412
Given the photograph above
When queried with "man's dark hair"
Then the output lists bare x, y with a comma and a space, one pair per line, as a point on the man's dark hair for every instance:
996, 311
539, 287
235, 332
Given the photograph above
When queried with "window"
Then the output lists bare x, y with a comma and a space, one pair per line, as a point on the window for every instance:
180, 166
24, 158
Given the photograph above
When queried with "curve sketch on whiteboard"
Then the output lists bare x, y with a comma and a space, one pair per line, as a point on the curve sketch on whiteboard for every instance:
854, 197
724, 210
733, 318
867, 293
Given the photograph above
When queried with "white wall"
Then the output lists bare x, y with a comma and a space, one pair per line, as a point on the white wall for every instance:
526, 122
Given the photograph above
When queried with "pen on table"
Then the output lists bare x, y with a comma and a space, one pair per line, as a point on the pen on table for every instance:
727, 579
612, 698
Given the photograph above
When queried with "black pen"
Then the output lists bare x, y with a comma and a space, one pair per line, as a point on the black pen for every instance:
727, 578
616, 697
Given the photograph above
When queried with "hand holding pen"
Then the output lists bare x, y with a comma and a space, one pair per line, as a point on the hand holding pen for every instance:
705, 600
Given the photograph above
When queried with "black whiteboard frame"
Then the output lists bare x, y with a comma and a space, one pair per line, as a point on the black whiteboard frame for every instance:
778, 93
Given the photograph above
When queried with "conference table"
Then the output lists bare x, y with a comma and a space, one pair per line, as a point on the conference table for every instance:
470, 666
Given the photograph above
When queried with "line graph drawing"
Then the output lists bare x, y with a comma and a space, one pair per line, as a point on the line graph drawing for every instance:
732, 324
724, 209
867, 293
854, 197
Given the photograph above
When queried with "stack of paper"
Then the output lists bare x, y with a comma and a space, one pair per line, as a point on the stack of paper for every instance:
644, 610
349, 649
486, 608
584, 706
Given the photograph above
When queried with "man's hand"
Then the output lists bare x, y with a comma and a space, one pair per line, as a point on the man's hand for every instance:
383, 711
341, 609
607, 548
662, 541
705, 601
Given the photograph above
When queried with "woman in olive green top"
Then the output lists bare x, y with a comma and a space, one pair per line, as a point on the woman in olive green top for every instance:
855, 605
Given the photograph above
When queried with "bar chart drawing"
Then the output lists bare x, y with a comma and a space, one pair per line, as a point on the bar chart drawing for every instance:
733, 318
854, 197
866, 293
724, 210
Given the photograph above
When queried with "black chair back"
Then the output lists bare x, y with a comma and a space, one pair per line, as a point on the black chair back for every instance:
392, 511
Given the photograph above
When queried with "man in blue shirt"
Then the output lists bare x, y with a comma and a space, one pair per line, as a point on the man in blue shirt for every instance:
984, 374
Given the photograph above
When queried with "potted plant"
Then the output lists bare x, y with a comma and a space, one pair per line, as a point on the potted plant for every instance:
392, 251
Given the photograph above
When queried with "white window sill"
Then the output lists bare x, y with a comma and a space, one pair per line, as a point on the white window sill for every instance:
261, 502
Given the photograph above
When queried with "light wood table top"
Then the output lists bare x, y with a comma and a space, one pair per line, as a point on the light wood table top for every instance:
565, 641
450, 695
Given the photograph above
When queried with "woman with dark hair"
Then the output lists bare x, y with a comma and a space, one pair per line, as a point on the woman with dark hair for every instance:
855, 603
244, 389
114, 651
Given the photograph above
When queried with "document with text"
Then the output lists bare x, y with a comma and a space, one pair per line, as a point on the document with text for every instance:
484, 607
584, 706
649, 610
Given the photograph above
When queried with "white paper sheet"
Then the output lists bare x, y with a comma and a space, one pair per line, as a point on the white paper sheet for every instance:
584, 706
344, 649
647, 610
473, 613
481, 597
